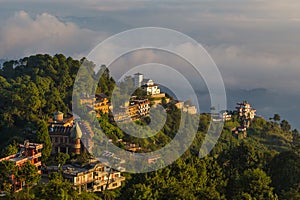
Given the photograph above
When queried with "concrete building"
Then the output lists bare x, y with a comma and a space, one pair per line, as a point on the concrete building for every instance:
147, 84
66, 134
28, 152
245, 110
185, 108
225, 116
102, 103
245, 113
134, 110
190, 109
66, 139
150, 87
92, 178
98, 103
60, 120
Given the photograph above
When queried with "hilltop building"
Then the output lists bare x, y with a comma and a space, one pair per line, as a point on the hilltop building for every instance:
27, 152
246, 113
150, 87
146, 84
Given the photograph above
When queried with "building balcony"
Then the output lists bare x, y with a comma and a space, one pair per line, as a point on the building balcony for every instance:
36, 155
38, 164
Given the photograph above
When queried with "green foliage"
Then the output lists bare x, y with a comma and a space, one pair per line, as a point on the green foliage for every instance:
190, 179
292, 193
28, 174
285, 126
7, 169
61, 158
262, 166
256, 183
33, 88
56, 188
285, 170
44, 138
10, 149
276, 117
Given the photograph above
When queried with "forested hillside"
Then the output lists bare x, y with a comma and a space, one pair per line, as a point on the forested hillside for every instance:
264, 165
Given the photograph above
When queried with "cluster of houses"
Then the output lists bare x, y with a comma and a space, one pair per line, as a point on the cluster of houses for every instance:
136, 107
245, 114
71, 136
66, 135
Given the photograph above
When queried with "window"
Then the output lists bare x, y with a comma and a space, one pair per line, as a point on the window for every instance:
115, 184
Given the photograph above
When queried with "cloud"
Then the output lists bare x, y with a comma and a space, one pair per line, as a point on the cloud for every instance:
23, 35
244, 67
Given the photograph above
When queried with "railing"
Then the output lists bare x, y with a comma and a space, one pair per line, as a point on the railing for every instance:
38, 164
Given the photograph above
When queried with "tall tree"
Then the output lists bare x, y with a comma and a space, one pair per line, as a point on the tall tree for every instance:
28, 174
10, 149
44, 138
7, 170
276, 117
61, 158
256, 183
285, 126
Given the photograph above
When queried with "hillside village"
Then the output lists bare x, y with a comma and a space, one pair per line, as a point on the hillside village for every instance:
46, 143
66, 137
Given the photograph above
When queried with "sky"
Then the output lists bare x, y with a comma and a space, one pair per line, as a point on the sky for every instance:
254, 43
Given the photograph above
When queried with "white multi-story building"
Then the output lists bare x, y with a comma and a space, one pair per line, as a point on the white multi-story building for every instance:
147, 84
150, 87
245, 110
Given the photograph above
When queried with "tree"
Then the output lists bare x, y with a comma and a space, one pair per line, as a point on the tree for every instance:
7, 170
44, 138
10, 149
285, 126
257, 184
243, 157
61, 158
285, 171
276, 117
28, 174
57, 188
296, 140
292, 194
